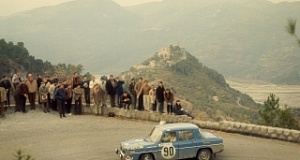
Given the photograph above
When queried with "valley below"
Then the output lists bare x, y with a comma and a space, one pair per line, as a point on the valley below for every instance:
259, 91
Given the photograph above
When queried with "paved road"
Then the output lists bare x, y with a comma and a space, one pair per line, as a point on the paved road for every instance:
47, 137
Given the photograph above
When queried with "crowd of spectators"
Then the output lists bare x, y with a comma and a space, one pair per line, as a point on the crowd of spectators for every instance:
58, 95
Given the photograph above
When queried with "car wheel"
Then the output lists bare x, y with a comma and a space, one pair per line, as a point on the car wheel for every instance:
146, 157
204, 154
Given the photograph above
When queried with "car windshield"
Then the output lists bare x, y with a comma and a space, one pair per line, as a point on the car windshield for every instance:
155, 135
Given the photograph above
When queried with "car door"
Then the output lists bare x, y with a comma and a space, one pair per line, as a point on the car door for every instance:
168, 147
187, 144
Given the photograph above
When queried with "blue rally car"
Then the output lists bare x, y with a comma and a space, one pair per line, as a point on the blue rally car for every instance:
172, 141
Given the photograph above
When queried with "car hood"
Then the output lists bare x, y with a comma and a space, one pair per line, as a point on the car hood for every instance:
136, 143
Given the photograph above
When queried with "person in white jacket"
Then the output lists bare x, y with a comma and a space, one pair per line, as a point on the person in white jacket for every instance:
152, 94
51, 93
91, 86
102, 85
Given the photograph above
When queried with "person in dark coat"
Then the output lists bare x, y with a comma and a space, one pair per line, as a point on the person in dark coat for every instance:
160, 97
133, 93
125, 100
85, 85
61, 96
169, 98
23, 94
75, 80
7, 85
69, 93
111, 90
119, 90
39, 81
178, 110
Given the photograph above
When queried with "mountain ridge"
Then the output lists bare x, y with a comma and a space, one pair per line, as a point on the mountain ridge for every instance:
244, 40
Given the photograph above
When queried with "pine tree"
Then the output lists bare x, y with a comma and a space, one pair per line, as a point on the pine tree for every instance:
270, 111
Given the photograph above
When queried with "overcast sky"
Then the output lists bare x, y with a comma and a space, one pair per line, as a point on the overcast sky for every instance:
8, 7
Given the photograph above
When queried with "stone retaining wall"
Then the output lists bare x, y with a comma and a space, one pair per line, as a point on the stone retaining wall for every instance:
225, 126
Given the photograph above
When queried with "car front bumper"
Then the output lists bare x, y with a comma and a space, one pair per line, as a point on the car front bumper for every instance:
122, 155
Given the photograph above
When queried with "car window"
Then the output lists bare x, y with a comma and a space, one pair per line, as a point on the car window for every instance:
169, 137
185, 135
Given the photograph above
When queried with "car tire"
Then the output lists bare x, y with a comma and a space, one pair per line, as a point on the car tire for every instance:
146, 156
204, 154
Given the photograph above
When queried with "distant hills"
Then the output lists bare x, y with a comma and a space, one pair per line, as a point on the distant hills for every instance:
191, 81
239, 38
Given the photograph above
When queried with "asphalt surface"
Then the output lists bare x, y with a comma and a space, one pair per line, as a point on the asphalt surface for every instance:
89, 137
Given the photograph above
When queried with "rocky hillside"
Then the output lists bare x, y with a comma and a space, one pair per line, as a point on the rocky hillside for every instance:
193, 82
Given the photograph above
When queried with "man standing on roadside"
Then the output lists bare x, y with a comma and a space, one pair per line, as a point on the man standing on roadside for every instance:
3, 98
75, 80
60, 96
85, 85
137, 89
144, 90
111, 90
39, 81
32, 88
103, 93
97, 98
23, 94
5, 83
133, 93
69, 97
16, 81
160, 97
119, 90
78, 92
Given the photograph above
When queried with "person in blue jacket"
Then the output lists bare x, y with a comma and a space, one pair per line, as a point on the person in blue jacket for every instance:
61, 96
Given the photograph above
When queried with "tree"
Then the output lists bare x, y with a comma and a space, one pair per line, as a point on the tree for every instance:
291, 29
273, 115
270, 111
286, 119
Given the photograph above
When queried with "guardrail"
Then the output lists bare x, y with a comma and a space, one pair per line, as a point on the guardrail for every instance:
226, 126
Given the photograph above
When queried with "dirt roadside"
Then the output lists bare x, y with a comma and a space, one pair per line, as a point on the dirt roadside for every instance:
89, 137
